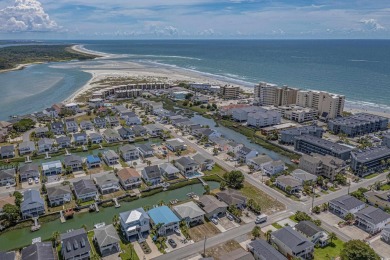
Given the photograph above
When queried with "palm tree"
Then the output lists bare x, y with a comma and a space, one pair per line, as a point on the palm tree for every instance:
148, 162
325, 206
256, 232
332, 236
268, 235
55, 237
115, 219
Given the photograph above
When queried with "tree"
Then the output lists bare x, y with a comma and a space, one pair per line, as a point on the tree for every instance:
325, 206
207, 189
320, 180
349, 217
340, 178
215, 151
11, 212
18, 198
288, 189
268, 235
251, 167
317, 209
115, 220
234, 179
332, 236
85, 227
55, 237
44, 190
222, 185
256, 232
317, 222
358, 250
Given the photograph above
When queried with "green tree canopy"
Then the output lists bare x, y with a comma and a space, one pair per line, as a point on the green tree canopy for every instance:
358, 250
234, 179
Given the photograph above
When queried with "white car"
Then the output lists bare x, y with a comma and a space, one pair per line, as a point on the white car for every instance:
30, 181
36, 180
215, 222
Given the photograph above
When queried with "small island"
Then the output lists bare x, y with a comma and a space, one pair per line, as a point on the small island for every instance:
17, 57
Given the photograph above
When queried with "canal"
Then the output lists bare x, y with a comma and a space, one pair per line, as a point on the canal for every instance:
22, 237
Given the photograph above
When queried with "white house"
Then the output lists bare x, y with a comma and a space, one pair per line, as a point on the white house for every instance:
52, 168
372, 219
245, 154
135, 224
189, 212
345, 204
303, 176
259, 162
273, 167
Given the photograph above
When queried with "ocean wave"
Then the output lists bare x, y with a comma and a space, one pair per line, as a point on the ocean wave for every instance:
375, 61
162, 56
369, 106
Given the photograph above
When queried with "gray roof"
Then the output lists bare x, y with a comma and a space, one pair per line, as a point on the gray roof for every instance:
152, 171
45, 141
70, 159
145, 148
39, 251
188, 210
7, 173
303, 175
301, 130
261, 159
7, 255
106, 235
110, 154
106, 179
174, 143
63, 139
32, 200
58, 190
27, 144
168, 168
95, 135
372, 215
186, 161
199, 158
84, 186
288, 181
41, 130
292, 239
245, 150
211, 203
7, 149
265, 250
347, 202
237, 254
371, 154
153, 127
111, 133
308, 228
126, 148
80, 136
29, 167
326, 144
86, 123
75, 243
231, 197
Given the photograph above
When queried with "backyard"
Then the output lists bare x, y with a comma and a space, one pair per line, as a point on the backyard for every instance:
331, 251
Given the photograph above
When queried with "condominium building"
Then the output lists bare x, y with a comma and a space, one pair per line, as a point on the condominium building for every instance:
263, 119
229, 92
359, 124
371, 160
310, 144
271, 95
322, 165
298, 114
329, 105
288, 136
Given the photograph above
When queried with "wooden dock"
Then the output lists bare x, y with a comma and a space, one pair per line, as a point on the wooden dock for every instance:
117, 205
62, 218
202, 181
96, 207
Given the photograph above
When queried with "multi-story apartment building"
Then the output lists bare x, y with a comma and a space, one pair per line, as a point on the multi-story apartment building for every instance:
373, 159
229, 92
322, 165
288, 136
271, 95
297, 113
263, 119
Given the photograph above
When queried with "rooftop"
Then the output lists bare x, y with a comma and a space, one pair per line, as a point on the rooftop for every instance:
373, 215
264, 249
347, 202
292, 239
334, 147
163, 215
188, 210
370, 154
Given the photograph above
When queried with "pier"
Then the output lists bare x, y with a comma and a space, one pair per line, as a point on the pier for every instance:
117, 205
67, 153
28, 159
47, 156
202, 181
96, 207
62, 218
36, 225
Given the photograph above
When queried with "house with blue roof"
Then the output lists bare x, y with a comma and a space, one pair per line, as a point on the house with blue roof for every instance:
93, 161
166, 218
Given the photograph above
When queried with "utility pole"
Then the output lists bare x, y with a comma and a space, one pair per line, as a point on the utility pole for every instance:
349, 185
312, 201
204, 246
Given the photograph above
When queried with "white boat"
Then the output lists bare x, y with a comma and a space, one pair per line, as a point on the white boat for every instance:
99, 225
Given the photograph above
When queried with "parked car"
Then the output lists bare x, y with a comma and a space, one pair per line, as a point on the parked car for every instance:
215, 222
229, 217
172, 242
261, 219
30, 181
36, 180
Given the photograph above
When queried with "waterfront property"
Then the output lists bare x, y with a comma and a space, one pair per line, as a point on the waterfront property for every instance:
175, 145
75, 245
203, 162
129, 178
313, 232
26, 147
310, 144
107, 240
259, 162
154, 130
322, 165
187, 166
135, 224
145, 150
110, 157
129, 152
7, 151
85, 190
264, 118
169, 171
96, 138
288, 136
38, 251
262, 250
371, 160
126, 133
165, 218
27, 171
372, 219
32, 204
111, 136
107, 183
93, 161
7, 177
232, 198
212, 206
46, 145
73, 162
190, 213
63, 142
291, 243
345, 204
273, 167
151, 174
59, 195
52, 168
139, 130
80, 139
245, 154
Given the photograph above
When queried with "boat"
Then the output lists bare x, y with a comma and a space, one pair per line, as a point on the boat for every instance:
99, 225
35, 228
68, 213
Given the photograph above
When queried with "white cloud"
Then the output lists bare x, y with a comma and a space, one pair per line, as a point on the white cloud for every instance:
207, 32
372, 25
24, 16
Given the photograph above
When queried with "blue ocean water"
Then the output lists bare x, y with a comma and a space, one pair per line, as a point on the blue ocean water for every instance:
359, 69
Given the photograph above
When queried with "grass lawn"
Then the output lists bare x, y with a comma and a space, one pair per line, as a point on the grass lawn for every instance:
128, 252
86, 203
385, 187
85, 118
373, 175
277, 225
332, 189
90, 238
216, 170
331, 251
293, 218
265, 201
324, 192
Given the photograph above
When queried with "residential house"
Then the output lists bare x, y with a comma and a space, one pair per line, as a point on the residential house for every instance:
99, 122
107, 183
93, 161
322, 165
303, 176
59, 195
187, 166
345, 204
80, 139
7, 177
111, 136
232, 198
50, 112
273, 167
112, 121
129, 178
85, 190
154, 130
71, 126
86, 125
7, 151
385, 234
212, 206
260, 161
292, 244
110, 157
314, 233
165, 218
151, 174
63, 142
32, 204
133, 120
139, 130
238, 254
189, 212
245, 154
175, 145
96, 138
372, 219
135, 224
288, 183
58, 128
27, 171
126, 133
233, 147
51, 168
46, 145
26, 147
72, 107
169, 171
73, 162
41, 132
262, 250
220, 143
380, 199
129, 152
38, 251
207, 133
107, 240
75, 245
145, 150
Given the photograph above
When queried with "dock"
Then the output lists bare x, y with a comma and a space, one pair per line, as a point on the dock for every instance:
117, 205
85, 148
67, 153
202, 181
36, 225
62, 218
100, 147
28, 159
47, 156
96, 207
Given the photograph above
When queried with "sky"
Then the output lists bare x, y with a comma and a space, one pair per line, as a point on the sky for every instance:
194, 19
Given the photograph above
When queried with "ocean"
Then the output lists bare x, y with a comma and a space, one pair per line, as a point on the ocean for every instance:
358, 69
